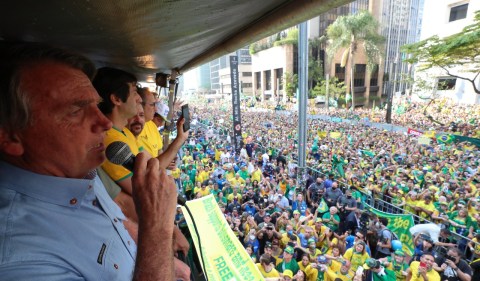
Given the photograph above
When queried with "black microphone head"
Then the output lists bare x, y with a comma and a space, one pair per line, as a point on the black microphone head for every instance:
118, 153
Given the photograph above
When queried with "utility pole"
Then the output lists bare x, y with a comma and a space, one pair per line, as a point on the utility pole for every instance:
302, 96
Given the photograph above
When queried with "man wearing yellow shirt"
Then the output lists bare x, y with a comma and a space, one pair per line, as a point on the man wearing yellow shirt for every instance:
237, 180
204, 190
423, 270
426, 207
256, 174
150, 138
218, 153
345, 274
203, 174
187, 158
119, 103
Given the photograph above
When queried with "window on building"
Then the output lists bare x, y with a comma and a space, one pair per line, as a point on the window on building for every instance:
458, 12
359, 75
246, 74
258, 79
446, 83
223, 62
340, 72
279, 74
247, 85
374, 77
268, 80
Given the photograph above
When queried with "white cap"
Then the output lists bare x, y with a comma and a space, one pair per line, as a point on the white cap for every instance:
162, 110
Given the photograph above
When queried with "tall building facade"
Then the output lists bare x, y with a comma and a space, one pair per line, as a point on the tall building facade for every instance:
400, 24
244, 71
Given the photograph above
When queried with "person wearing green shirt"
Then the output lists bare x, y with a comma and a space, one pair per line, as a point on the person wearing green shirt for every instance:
192, 173
243, 172
331, 219
288, 262
379, 273
397, 264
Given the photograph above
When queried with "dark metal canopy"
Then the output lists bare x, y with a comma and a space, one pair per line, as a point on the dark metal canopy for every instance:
148, 36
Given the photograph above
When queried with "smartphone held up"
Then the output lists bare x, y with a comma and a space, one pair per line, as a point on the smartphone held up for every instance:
186, 117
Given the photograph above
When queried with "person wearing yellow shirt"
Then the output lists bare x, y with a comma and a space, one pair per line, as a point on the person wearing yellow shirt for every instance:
235, 195
344, 274
411, 202
236, 180
305, 266
187, 158
218, 153
205, 161
202, 174
334, 259
425, 208
256, 174
357, 255
204, 190
149, 138
266, 267
229, 174
423, 270
313, 252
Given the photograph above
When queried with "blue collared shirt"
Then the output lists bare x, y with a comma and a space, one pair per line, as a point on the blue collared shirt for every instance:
55, 228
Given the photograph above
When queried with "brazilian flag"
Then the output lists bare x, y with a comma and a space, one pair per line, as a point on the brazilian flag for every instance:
445, 139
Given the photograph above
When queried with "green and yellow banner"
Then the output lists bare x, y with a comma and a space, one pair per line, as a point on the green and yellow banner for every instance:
399, 224
225, 258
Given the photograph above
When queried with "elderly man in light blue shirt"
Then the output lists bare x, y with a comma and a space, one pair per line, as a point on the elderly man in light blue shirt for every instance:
56, 220
47, 221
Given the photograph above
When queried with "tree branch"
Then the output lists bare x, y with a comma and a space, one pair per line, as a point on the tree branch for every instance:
472, 81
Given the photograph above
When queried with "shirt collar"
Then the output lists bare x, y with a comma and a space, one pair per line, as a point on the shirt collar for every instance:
66, 192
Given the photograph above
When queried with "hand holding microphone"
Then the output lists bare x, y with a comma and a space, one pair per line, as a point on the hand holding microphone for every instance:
154, 193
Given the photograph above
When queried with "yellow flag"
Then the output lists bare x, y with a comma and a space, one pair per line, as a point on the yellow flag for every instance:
335, 135
429, 134
223, 254
321, 134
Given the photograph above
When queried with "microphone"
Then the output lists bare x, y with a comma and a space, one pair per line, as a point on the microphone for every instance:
120, 154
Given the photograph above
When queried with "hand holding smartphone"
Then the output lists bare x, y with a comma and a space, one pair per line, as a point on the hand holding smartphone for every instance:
186, 117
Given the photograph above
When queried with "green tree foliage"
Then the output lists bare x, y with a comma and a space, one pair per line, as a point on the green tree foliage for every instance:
461, 51
291, 84
353, 31
336, 89
292, 38
315, 64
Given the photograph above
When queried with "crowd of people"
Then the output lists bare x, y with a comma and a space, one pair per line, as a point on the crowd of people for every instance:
303, 227
58, 191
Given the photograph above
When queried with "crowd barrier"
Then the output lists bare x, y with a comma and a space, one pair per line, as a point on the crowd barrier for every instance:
387, 207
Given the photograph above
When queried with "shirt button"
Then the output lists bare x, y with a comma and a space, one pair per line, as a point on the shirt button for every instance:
115, 265
73, 201
94, 202
128, 242
90, 187
115, 220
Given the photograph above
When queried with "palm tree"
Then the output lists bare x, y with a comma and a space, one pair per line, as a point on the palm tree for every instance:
350, 32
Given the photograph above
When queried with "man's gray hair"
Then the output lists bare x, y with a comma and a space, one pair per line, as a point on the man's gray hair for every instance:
16, 57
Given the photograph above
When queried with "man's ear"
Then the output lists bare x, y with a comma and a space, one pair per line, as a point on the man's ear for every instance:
115, 100
10, 144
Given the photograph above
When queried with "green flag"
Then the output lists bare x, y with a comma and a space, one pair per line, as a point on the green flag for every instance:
368, 153
399, 224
